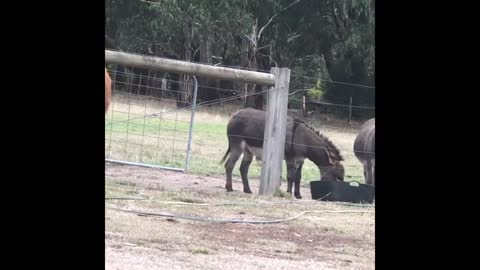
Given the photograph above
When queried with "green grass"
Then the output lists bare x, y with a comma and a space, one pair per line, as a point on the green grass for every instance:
164, 142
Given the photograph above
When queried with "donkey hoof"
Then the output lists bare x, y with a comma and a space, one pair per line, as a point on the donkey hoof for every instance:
298, 196
247, 191
229, 189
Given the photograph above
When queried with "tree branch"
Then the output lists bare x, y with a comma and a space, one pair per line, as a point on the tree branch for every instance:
271, 19
251, 40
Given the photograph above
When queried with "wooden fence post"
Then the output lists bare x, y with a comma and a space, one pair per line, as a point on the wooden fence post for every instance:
275, 132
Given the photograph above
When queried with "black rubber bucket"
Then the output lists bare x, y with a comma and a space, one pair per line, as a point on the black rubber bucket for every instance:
353, 192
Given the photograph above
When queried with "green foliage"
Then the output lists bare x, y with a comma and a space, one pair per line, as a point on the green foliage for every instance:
336, 37
317, 91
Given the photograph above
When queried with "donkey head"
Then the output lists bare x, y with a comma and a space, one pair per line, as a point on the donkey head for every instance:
334, 170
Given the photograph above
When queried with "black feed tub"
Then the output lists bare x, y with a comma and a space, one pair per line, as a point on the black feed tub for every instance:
353, 192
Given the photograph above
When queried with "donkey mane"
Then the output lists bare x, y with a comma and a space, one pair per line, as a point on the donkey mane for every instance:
331, 148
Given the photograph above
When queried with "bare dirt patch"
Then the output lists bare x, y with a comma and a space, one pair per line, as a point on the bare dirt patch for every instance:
312, 241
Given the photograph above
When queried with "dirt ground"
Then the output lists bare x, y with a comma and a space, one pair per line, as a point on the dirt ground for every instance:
316, 240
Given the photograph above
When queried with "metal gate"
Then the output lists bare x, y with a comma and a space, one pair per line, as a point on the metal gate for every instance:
143, 126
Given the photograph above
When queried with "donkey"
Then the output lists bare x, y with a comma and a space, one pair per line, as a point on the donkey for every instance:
108, 90
364, 149
245, 132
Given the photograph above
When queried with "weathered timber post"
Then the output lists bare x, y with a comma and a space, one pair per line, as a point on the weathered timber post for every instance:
275, 131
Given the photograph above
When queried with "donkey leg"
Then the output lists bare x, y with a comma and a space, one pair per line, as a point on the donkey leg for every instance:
365, 169
247, 159
298, 177
372, 171
291, 174
229, 165
369, 172
373, 174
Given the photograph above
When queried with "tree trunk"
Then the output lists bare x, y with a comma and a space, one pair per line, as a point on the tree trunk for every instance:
206, 93
249, 61
185, 95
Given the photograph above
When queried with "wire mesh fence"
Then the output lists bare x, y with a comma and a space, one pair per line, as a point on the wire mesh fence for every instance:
143, 124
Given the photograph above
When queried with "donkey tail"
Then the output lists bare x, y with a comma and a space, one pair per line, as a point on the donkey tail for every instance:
226, 155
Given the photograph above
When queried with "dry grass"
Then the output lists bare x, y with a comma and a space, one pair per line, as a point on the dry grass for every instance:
313, 241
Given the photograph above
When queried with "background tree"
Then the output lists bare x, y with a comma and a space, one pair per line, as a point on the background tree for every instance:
320, 41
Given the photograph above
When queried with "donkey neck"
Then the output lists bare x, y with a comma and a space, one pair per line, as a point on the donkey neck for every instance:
318, 155
317, 147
